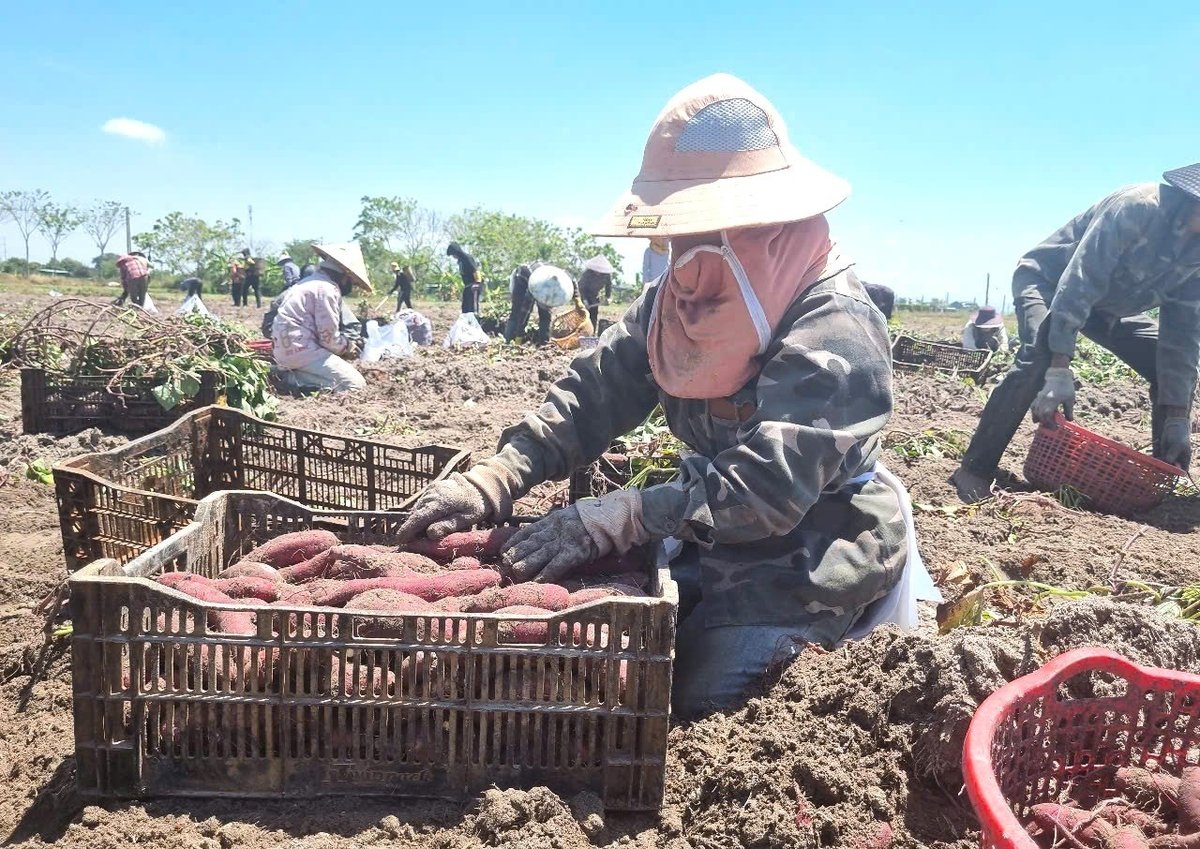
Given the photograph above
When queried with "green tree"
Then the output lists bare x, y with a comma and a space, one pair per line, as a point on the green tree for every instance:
397, 229
102, 221
56, 223
24, 208
192, 246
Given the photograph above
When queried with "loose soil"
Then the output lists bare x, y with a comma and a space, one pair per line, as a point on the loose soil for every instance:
840, 748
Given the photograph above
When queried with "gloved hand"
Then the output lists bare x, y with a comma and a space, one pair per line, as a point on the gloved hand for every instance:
453, 504
1057, 391
1175, 443
549, 549
573, 536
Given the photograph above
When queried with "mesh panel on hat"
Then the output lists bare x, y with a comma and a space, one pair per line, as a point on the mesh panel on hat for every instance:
727, 126
1186, 178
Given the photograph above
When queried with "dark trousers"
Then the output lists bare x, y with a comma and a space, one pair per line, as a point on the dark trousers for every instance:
1133, 339
470, 298
251, 283
594, 312
404, 299
235, 289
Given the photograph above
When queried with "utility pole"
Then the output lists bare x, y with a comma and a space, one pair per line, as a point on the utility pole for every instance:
128, 234
987, 290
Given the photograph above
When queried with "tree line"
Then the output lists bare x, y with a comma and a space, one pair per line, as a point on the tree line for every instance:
389, 229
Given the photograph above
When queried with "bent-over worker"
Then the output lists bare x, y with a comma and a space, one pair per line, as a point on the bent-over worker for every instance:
291, 271
309, 342
135, 277
985, 331
468, 270
1137, 249
774, 369
522, 305
595, 279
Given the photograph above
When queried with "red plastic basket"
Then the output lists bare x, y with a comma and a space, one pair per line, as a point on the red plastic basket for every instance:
1114, 477
1030, 739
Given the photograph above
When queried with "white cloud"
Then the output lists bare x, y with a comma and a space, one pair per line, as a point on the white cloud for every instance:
131, 128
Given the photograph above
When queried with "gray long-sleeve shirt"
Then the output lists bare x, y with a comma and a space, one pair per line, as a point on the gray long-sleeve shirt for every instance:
1127, 254
788, 531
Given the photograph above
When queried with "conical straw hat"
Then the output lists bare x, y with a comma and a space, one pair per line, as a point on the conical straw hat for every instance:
348, 256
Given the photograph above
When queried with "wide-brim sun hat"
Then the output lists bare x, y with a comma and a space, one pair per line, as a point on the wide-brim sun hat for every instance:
284, 255
1186, 179
349, 256
719, 157
598, 264
987, 317
550, 286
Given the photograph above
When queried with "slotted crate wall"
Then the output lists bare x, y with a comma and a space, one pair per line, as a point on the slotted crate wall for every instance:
914, 354
118, 503
323, 701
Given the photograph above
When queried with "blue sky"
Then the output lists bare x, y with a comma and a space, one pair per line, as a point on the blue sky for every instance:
968, 130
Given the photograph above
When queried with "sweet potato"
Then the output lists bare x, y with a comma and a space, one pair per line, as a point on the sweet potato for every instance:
232, 622
259, 588
1078, 826
485, 544
174, 579
250, 569
449, 584
463, 564
1176, 841
1120, 812
309, 570
293, 548
539, 596
523, 631
387, 601
1189, 800
361, 561
1148, 789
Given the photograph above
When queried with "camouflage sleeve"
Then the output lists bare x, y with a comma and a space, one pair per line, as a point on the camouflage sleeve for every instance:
1178, 351
604, 394
327, 315
1113, 230
821, 399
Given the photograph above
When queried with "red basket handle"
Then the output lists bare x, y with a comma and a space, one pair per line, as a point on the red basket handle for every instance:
979, 773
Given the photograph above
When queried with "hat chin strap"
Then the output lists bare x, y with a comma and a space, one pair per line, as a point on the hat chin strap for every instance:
757, 315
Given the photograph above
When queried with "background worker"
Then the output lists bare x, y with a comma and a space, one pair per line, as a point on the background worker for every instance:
134, 269
468, 269
309, 343
289, 269
402, 286
883, 297
1137, 249
595, 279
237, 274
536, 284
250, 279
984, 331
654, 261
773, 367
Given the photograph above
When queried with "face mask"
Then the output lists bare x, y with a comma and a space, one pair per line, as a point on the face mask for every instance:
711, 269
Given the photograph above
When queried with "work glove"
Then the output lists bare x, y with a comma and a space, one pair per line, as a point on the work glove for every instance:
1175, 443
461, 501
1057, 391
566, 539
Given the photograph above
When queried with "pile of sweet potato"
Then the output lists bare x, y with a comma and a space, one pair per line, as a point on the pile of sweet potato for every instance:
460, 573
1154, 811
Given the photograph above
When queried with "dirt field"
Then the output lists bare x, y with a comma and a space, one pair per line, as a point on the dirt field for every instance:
841, 746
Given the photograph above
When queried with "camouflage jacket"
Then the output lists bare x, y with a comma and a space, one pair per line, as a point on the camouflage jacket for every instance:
786, 533
1127, 254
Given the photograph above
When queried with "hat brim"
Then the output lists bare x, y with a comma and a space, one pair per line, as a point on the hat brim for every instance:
1185, 179
358, 276
683, 207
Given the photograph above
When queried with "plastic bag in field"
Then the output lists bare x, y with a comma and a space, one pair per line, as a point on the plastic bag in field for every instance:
465, 332
420, 329
391, 340
191, 304
148, 305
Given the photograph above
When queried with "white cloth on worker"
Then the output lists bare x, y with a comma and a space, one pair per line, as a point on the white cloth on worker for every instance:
328, 372
389, 340
550, 286
308, 325
192, 304
465, 332
968, 338
899, 606
420, 329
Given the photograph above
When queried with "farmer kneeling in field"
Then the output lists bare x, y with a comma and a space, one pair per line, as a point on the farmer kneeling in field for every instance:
307, 332
1137, 249
774, 369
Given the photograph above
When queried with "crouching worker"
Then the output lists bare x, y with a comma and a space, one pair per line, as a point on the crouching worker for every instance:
1137, 249
309, 341
774, 369
984, 331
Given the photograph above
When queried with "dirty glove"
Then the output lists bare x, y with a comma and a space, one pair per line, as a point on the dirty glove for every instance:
1057, 391
462, 501
547, 550
576, 535
1175, 443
